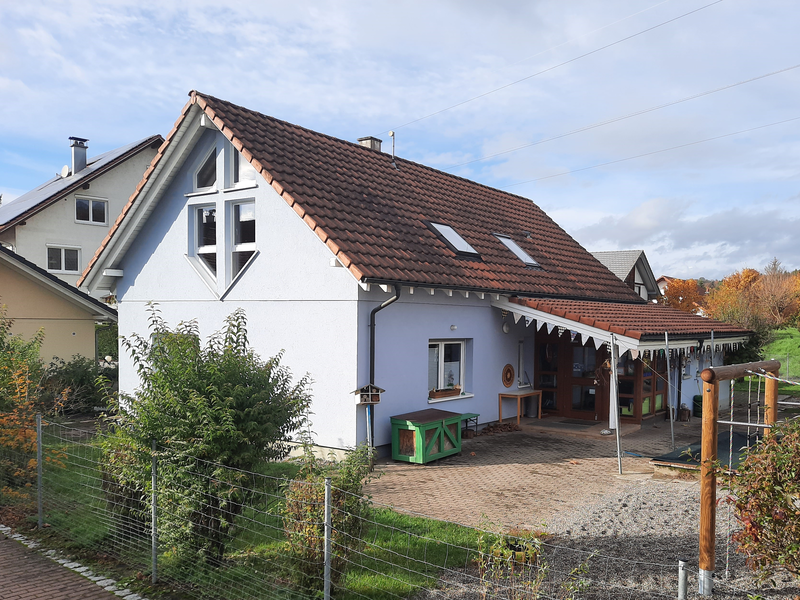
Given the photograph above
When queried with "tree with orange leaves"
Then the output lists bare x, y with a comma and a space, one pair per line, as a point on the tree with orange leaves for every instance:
685, 295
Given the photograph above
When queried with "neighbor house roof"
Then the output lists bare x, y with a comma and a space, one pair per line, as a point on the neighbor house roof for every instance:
56, 285
622, 262
55, 189
374, 212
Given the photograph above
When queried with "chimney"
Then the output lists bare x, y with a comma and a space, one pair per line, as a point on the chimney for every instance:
370, 142
78, 146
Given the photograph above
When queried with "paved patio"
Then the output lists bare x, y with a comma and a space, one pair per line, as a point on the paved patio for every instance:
526, 477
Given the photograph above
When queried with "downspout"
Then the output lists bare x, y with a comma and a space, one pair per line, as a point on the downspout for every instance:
373, 312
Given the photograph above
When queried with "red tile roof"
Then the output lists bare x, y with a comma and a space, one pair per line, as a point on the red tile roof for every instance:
372, 215
640, 322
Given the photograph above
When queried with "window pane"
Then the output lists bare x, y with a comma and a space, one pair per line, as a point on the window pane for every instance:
452, 365
433, 366
626, 387
70, 259
583, 361
206, 227
99, 211
646, 405
81, 209
547, 380
647, 385
583, 397
659, 402
244, 223
207, 175
210, 259
240, 260
235, 168
548, 357
54, 259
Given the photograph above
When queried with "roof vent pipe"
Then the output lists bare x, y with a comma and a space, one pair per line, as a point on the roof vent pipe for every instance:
78, 146
370, 142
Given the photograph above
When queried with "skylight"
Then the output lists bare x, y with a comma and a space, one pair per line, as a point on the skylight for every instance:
518, 252
453, 239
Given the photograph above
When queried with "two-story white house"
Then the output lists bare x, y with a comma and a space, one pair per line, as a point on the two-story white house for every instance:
60, 224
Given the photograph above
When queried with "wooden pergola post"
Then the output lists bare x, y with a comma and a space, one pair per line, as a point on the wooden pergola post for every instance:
708, 453
708, 485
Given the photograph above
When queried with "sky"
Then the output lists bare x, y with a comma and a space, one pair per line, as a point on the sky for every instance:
671, 126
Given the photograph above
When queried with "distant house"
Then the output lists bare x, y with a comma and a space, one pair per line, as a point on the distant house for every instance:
632, 267
35, 299
60, 224
368, 268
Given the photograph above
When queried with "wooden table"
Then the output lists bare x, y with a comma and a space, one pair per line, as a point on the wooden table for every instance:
520, 395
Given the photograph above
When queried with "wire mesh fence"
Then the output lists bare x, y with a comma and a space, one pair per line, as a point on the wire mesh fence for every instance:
226, 533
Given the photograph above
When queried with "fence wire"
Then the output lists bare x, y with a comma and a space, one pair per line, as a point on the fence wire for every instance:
225, 534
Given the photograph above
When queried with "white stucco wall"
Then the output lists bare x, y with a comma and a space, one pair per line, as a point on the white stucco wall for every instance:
294, 299
403, 331
56, 225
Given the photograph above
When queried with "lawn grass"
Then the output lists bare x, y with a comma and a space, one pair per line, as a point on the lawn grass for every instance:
400, 553
784, 345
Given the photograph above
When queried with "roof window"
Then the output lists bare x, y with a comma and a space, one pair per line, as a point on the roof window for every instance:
453, 239
518, 252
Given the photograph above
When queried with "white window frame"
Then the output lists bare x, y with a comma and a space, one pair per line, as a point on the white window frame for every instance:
91, 200
463, 371
235, 168
63, 261
197, 249
196, 172
230, 246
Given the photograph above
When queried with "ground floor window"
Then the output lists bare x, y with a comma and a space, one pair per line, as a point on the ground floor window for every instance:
63, 260
446, 364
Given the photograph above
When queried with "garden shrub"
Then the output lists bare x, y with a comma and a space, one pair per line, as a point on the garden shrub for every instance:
216, 411
80, 385
304, 515
766, 500
17, 355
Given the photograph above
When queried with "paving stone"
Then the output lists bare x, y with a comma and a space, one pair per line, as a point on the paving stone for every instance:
28, 574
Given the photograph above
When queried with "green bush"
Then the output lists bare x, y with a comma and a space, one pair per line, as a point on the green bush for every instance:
80, 385
766, 500
216, 412
304, 515
107, 340
17, 356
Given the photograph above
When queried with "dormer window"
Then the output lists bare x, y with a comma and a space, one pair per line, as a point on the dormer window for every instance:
518, 252
206, 176
454, 240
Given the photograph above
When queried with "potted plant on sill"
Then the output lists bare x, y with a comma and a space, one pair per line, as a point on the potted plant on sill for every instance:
445, 392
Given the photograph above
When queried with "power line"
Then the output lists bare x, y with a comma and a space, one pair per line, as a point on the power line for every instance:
571, 60
644, 10
613, 162
622, 118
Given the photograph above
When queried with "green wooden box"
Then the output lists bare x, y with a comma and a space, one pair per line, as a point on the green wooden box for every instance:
426, 435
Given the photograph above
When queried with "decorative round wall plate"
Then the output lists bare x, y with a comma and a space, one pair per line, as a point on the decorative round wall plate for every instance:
508, 375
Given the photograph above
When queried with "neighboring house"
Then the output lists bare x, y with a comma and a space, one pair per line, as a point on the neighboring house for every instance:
663, 283
312, 236
60, 224
35, 299
632, 267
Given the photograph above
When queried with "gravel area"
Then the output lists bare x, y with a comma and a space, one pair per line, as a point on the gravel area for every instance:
631, 541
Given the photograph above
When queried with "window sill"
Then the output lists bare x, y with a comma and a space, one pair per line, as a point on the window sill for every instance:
241, 186
95, 223
201, 193
449, 398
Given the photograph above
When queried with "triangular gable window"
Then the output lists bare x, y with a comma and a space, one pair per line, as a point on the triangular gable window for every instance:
206, 176
454, 240
518, 252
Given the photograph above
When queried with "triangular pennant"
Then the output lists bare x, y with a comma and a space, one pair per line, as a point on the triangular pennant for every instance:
528, 321
550, 327
572, 335
597, 343
634, 354
517, 317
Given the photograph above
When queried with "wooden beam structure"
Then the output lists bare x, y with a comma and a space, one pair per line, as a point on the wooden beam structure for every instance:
708, 452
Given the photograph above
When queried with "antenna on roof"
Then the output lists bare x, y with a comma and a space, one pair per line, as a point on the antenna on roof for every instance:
391, 135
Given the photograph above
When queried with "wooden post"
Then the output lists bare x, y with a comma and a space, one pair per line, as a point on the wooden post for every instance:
708, 486
770, 400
